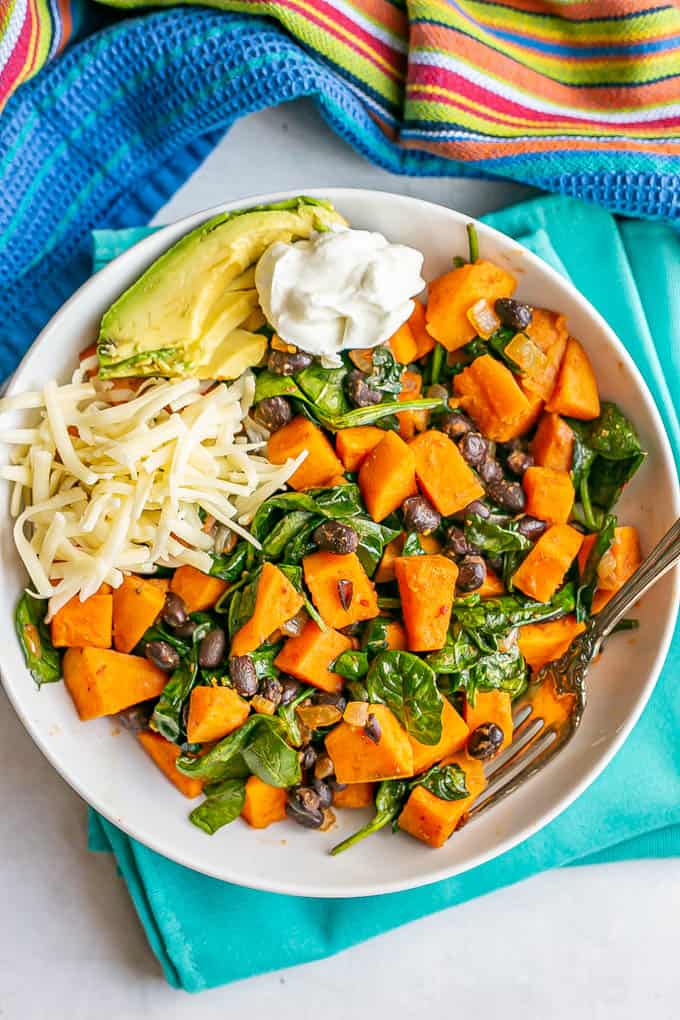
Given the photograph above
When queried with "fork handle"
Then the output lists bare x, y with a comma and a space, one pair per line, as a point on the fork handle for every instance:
661, 559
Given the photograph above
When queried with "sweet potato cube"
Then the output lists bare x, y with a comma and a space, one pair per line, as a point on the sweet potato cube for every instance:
403, 345
417, 322
619, 562
136, 605
575, 394
454, 734
308, 656
165, 754
103, 682
553, 443
495, 400
451, 295
387, 476
354, 795
433, 820
541, 573
411, 422
442, 474
550, 494
352, 445
426, 587
548, 331
162, 583
214, 712
396, 637
78, 624
320, 464
542, 642
391, 553
492, 586
357, 759
264, 804
198, 590
340, 604
276, 601
494, 707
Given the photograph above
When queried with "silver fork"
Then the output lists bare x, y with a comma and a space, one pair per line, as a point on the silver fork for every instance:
537, 739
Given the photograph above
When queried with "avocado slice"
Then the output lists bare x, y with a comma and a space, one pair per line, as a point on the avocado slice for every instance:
195, 309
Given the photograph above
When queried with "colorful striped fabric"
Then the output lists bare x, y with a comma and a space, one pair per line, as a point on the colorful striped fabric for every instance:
31, 33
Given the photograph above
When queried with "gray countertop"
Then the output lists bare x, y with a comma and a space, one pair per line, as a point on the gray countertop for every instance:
597, 942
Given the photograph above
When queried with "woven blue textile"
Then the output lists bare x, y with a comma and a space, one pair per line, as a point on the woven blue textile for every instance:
108, 131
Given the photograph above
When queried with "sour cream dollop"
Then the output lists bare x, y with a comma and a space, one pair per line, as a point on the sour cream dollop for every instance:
340, 290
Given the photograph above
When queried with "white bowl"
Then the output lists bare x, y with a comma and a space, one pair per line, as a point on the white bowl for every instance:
111, 772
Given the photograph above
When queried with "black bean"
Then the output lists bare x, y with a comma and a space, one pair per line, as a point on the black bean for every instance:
338, 701
303, 807
420, 515
335, 786
136, 718
285, 363
513, 314
290, 689
272, 689
531, 527
519, 461
174, 611
476, 507
372, 729
474, 448
273, 413
345, 592
456, 424
490, 470
508, 495
243, 675
186, 630
471, 573
359, 392
211, 648
162, 655
324, 793
336, 537
308, 759
295, 626
496, 563
456, 542
485, 741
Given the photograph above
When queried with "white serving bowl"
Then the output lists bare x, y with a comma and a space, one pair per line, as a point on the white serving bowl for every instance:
110, 771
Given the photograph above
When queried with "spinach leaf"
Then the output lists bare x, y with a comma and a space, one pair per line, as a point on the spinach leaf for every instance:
271, 759
168, 713
412, 546
281, 505
263, 660
385, 373
374, 638
268, 384
408, 687
224, 804
608, 477
42, 658
448, 782
159, 632
356, 690
588, 580
372, 540
216, 763
459, 653
498, 616
376, 412
338, 501
287, 715
389, 800
611, 435
242, 605
351, 664
497, 343
231, 566
495, 535
285, 531
324, 387
302, 543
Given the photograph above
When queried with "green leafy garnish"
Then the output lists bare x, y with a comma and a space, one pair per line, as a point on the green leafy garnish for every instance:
495, 535
407, 685
448, 782
42, 658
385, 373
223, 804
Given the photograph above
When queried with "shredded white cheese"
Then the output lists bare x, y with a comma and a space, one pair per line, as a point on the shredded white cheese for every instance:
103, 485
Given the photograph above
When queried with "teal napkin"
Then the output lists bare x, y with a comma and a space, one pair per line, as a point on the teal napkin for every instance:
205, 932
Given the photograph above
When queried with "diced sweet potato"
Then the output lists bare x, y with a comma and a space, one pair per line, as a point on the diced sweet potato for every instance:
103, 682
454, 734
136, 605
541, 573
411, 422
491, 707
264, 804
433, 820
387, 476
495, 400
79, 624
396, 637
323, 572
214, 712
426, 587
492, 586
548, 331
300, 434
550, 494
354, 795
276, 601
309, 656
575, 394
442, 474
199, 591
403, 345
417, 321
162, 583
451, 296
619, 562
391, 553
165, 754
357, 759
553, 443
352, 445
542, 642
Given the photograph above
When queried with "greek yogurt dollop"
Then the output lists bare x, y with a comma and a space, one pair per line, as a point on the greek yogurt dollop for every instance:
341, 290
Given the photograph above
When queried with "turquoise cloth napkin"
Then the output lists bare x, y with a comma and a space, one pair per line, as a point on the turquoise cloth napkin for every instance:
205, 932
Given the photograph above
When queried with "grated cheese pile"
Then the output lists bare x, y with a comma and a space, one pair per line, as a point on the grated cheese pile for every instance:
108, 481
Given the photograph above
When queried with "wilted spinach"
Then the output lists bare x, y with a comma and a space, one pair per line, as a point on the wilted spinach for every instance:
351, 664
285, 531
219, 761
389, 800
412, 546
498, 616
495, 535
324, 387
230, 567
223, 804
271, 759
42, 658
385, 373
491, 671
372, 540
588, 580
168, 713
374, 637
408, 687
287, 715
448, 782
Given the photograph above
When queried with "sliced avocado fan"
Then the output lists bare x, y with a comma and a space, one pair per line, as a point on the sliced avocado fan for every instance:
194, 312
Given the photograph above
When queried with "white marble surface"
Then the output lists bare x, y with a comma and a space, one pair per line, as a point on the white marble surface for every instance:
597, 943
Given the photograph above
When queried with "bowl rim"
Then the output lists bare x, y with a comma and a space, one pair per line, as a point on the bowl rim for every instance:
574, 791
